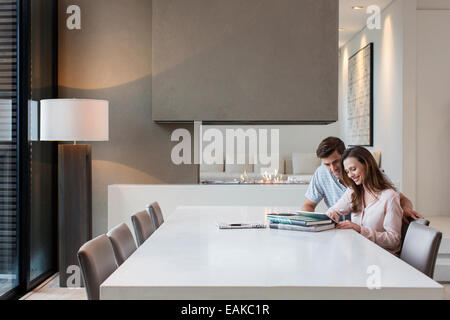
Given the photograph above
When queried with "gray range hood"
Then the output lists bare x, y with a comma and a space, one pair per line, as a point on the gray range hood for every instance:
252, 61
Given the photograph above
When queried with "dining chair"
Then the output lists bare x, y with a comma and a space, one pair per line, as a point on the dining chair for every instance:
405, 226
143, 226
155, 212
97, 262
422, 221
420, 248
122, 241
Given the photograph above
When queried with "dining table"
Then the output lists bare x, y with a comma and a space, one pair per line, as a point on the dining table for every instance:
190, 258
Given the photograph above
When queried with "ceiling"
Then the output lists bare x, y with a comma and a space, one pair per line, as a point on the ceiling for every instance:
352, 20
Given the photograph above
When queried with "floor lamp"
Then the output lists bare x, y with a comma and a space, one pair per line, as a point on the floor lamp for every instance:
73, 120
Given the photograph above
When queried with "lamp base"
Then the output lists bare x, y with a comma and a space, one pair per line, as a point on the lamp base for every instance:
75, 209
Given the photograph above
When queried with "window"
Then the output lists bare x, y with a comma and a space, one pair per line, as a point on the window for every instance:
9, 272
28, 188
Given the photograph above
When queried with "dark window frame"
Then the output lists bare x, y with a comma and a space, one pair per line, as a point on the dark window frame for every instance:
23, 155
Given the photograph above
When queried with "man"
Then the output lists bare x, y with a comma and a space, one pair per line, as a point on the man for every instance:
327, 183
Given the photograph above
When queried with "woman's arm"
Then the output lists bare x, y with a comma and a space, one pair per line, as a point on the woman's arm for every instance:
389, 239
408, 210
342, 207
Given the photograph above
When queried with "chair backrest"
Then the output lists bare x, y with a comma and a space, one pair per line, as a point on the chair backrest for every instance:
97, 262
155, 212
377, 156
423, 222
405, 226
420, 248
143, 226
122, 242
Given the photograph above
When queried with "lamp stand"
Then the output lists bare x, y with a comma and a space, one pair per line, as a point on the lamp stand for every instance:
75, 208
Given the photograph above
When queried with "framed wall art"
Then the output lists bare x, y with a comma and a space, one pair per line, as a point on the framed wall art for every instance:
359, 113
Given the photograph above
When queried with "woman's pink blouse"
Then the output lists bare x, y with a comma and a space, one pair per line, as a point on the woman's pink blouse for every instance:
382, 219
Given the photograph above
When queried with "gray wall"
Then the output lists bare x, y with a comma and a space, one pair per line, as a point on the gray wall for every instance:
111, 58
252, 60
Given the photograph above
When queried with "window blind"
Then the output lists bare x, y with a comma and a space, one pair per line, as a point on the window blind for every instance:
8, 144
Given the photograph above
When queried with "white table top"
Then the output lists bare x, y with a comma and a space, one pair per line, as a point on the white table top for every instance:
188, 257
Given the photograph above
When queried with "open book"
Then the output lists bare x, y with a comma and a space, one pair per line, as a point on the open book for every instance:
297, 219
316, 215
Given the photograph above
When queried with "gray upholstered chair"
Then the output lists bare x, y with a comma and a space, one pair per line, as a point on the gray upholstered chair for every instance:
422, 221
405, 225
97, 262
143, 226
420, 248
122, 242
155, 212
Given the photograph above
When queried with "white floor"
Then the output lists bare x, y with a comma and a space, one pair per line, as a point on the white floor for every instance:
50, 290
442, 224
442, 270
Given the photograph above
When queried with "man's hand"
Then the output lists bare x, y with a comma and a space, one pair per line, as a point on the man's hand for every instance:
349, 225
410, 213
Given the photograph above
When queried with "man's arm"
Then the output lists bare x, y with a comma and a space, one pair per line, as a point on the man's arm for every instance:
407, 207
314, 194
309, 206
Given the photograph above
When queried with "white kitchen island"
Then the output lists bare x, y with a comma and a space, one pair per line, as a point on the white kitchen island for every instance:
127, 199
188, 257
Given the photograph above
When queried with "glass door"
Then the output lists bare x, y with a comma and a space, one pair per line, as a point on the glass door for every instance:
28, 185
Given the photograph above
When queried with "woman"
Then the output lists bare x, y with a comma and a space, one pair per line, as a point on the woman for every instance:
372, 201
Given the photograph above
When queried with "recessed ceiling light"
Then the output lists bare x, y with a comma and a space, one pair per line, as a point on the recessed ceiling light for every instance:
358, 7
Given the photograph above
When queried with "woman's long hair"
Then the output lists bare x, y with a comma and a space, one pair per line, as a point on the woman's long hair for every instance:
373, 180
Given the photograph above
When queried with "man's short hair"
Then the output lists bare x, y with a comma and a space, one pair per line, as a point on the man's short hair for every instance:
330, 145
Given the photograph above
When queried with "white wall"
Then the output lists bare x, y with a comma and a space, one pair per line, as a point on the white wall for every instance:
388, 86
294, 138
433, 4
411, 98
433, 111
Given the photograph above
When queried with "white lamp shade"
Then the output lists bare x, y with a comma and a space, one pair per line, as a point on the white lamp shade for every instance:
74, 120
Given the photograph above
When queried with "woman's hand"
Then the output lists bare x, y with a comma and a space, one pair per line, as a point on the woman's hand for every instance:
410, 213
349, 225
334, 216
